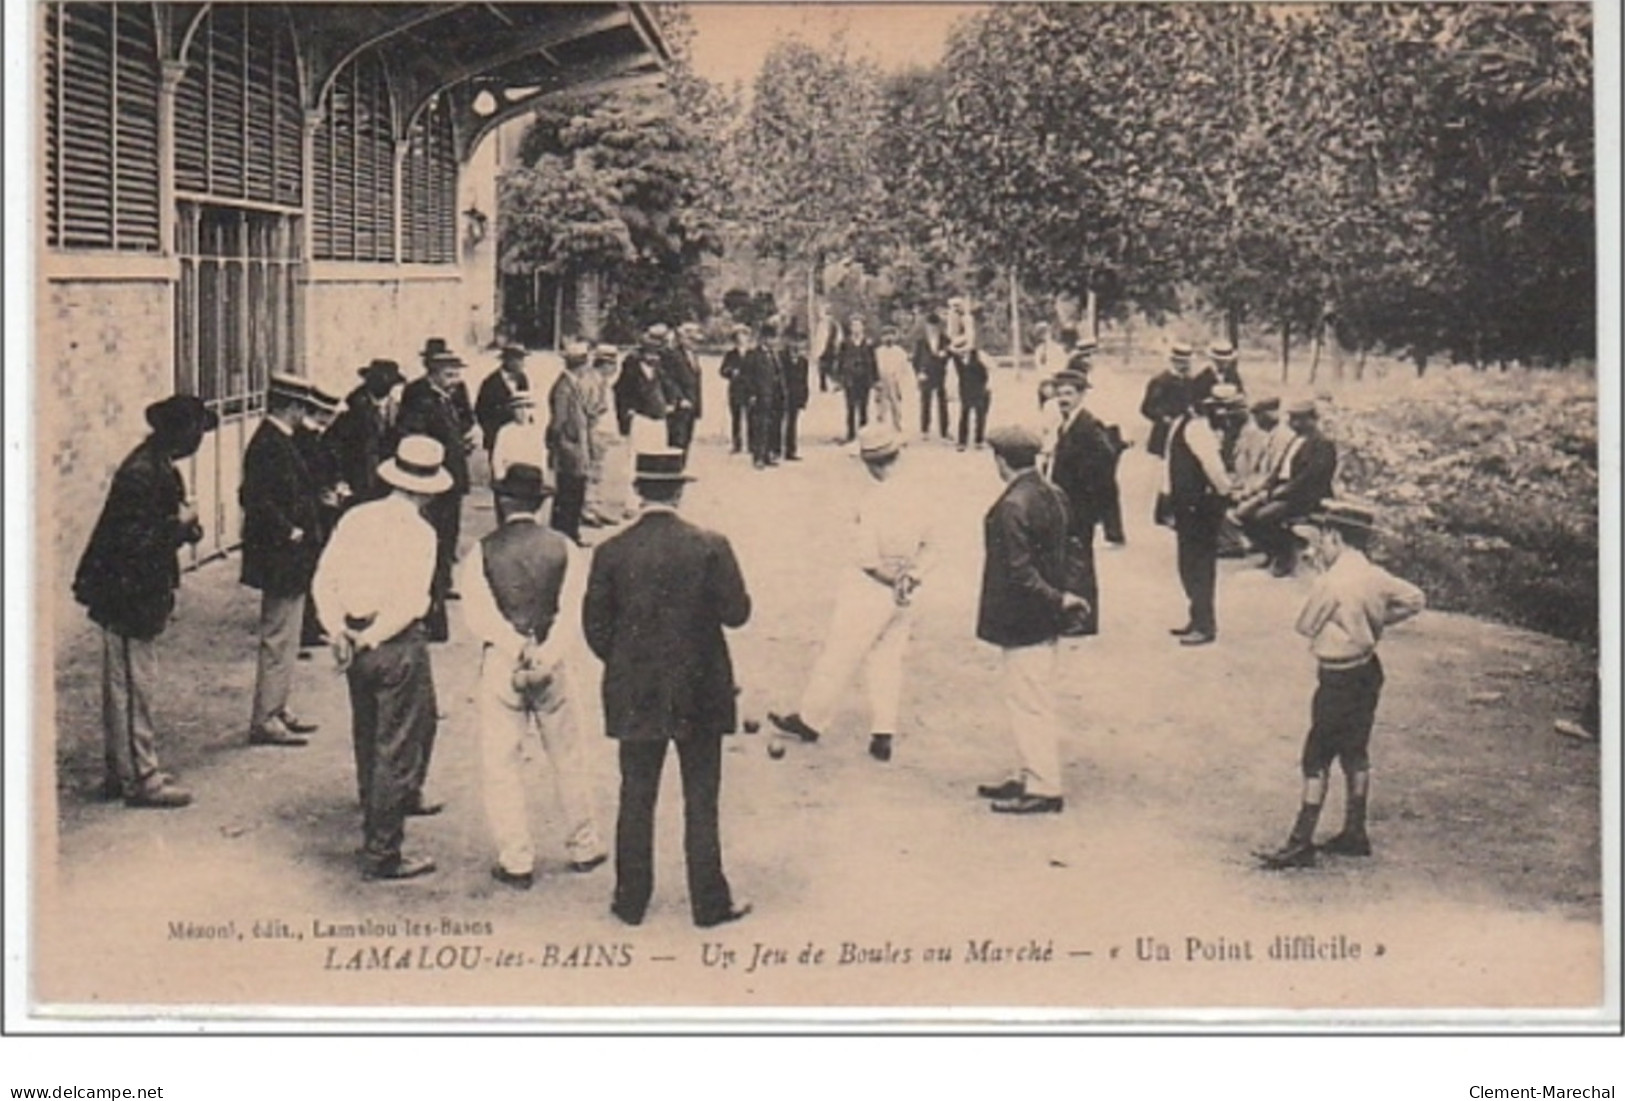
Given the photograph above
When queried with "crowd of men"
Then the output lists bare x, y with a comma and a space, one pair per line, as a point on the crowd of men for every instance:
351, 527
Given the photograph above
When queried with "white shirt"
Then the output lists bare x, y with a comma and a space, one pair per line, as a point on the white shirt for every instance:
1204, 445
1349, 606
518, 443
379, 563
893, 365
491, 627
893, 530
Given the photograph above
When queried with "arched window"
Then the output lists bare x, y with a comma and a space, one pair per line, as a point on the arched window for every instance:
239, 119
101, 127
354, 209
429, 188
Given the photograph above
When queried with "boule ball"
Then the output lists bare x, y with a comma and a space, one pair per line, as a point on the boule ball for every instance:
775, 750
752, 725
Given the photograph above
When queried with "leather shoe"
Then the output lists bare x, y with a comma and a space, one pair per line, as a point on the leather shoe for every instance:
587, 865
1198, 638
1185, 630
402, 867
793, 724
1294, 854
1348, 844
1010, 789
626, 915
1029, 804
732, 913
299, 726
164, 796
275, 733
880, 747
424, 808
519, 881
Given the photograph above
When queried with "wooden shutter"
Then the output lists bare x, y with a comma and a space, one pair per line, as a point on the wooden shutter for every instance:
429, 184
355, 175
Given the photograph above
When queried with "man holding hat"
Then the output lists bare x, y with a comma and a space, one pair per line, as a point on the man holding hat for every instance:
1199, 490
1168, 397
1084, 468
493, 407
127, 579
1301, 481
430, 407
871, 621
363, 436
569, 444
659, 595
282, 522
522, 587
372, 590
1343, 619
1024, 608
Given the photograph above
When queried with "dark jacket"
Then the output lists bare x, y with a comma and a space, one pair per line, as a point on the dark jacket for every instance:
425, 411
855, 365
1025, 568
1085, 469
279, 498
1308, 478
493, 408
680, 373
639, 393
658, 596
569, 429
733, 369
931, 361
129, 572
970, 370
1167, 396
763, 378
1191, 492
362, 436
795, 367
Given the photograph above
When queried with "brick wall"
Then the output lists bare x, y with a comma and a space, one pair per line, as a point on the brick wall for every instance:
103, 355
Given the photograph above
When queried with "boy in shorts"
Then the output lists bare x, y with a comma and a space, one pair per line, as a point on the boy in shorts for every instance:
1351, 603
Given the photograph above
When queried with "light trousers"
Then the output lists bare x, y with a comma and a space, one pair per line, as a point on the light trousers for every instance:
609, 480
505, 725
868, 629
129, 676
1029, 706
281, 618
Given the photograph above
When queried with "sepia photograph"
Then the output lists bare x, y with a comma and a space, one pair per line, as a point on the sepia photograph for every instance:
1091, 516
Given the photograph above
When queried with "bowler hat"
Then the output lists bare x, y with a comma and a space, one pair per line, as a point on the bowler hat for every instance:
1076, 379
511, 352
877, 442
383, 368
418, 466
434, 346
525, 481
1018, 443
181, 414
660, 466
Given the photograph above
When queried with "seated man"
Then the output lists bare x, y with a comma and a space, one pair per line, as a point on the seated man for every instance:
1301, 481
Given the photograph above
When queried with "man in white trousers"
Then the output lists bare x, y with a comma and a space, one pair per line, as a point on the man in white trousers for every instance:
522, 589
872, 620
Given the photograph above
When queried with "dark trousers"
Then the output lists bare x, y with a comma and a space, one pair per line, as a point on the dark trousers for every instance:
393, 720
1341, 716
700, 759
791, 415
1270, 529
857, 410
445, 515
937, 391
761, 430
738, 412
568, 504
679, 429
974, 405
1197, 538
1111, 508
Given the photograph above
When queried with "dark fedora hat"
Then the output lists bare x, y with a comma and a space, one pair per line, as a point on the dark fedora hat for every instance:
660, 466
525, 481
181, 414
383, 368
1076, 379
434, 346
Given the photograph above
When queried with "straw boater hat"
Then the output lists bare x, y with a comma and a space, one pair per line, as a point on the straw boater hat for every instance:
1179, 349
1222, 352
1018, 444
690, 329
605, 353
418, 466
1303, 407
384, 368
286, 388
576, 352
878, 442
180, 415
1266, 404
665, 465
656, 332
1343, 515
1224, 396
1086, 345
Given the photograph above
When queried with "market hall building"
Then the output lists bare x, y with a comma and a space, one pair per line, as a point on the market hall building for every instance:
233, 190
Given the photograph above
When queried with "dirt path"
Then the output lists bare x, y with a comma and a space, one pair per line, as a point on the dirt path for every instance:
1484, 889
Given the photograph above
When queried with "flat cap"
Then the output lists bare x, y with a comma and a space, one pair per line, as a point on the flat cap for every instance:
1015, 440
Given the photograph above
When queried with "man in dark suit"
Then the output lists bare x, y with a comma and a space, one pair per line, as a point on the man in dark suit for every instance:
429, 407
797, 389
1084, 469
858, 372
281, 542
658, 597
641, 403
1199, 490
364, 435
1168, 397
1300, 483
931, 370
1023, 608
569, 446
127, 579
764, 389
493, 408
682, 374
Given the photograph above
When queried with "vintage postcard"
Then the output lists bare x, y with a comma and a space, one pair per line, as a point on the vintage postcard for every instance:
978, 516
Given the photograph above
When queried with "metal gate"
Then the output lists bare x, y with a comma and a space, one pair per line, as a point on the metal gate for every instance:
237, 320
